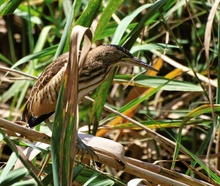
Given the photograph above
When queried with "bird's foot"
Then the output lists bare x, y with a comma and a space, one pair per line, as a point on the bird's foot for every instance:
87, 150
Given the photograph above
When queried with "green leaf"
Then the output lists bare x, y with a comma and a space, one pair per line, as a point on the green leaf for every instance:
123, 25
13, 90
5, 59
9, 7
14, 176
45, 52
64, 45
89, 14
150, 81
10, 163
27, 164
133, 103
57, 140
105, 17
85, 20
101, 97
29, 182
151, 15
159, 124
203, 109
150, 46
61, 146
209, 172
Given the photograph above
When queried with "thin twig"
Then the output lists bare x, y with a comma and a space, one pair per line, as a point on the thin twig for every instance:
5, 69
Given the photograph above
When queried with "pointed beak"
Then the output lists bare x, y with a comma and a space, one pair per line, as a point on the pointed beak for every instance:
137, 62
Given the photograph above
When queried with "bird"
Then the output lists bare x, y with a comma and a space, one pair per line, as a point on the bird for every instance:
98, 65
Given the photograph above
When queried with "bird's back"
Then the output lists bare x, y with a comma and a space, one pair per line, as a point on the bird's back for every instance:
42, 100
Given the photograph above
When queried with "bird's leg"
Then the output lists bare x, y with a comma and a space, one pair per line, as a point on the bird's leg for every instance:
49, 124
86, 150
81, 146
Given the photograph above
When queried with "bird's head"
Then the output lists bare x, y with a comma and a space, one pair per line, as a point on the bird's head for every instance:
105, 57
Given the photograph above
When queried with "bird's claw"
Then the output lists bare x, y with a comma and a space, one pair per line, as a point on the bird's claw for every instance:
87, 150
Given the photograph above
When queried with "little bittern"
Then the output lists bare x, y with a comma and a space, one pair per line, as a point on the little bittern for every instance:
98, 64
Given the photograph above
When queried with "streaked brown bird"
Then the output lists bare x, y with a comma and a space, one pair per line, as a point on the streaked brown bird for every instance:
99, 62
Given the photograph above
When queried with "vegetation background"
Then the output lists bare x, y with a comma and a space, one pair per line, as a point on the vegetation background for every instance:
180, 103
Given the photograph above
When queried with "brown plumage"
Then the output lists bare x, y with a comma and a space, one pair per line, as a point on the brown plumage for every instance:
96, 69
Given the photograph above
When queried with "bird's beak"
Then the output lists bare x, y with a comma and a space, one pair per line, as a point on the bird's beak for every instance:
137, 62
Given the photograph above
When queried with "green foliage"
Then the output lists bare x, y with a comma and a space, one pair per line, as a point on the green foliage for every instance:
170, 85
181, 106
9, 7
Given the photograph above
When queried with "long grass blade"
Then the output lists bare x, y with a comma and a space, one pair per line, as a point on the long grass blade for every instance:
65, 133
